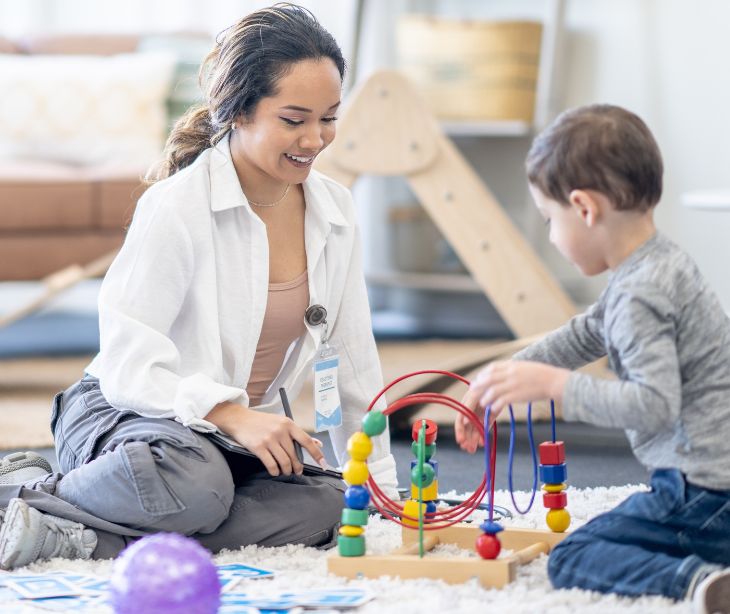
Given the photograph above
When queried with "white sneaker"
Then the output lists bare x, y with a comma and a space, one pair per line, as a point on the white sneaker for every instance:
28, 535
712, 595
21, 467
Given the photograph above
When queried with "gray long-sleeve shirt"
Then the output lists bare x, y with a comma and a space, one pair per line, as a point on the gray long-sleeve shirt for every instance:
668, 340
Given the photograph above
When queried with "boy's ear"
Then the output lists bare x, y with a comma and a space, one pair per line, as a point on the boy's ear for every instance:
585, 206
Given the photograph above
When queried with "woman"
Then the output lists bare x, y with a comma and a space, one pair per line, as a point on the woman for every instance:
202, 319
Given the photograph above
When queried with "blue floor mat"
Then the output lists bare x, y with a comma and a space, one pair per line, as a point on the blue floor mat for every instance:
51, 334
391, 325
61, 333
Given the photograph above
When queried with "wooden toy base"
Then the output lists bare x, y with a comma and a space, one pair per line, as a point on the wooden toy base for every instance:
404, 562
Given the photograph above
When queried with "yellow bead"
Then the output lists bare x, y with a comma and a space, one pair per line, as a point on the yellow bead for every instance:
558, 520
554, 487
351, 531
355, 472
410, 508
359, 446
429, 493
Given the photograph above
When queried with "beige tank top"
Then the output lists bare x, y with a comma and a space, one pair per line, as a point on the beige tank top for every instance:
283, 324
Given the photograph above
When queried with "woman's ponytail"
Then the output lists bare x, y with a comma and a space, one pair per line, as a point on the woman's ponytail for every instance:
192, 134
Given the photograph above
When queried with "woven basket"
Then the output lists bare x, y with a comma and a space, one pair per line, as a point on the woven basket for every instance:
472, 70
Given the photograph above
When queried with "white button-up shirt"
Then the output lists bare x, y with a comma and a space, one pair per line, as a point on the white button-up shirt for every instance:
181, 308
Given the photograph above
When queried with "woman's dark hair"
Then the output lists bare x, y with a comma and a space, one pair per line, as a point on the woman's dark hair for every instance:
245, 66
598, 147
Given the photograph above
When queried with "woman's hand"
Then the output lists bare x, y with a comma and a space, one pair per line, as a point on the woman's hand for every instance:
268, 436
503, 383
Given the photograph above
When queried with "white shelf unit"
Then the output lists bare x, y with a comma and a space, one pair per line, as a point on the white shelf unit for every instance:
460, 283
507, 128
545, 109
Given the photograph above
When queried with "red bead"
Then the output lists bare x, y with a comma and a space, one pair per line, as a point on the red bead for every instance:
431, 431
555, 500
488, 546
552, 453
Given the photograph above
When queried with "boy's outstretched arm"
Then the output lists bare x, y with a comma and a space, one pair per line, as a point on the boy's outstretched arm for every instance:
577, 343
502, 383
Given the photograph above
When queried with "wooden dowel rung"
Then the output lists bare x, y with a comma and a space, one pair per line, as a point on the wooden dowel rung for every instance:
429, 543
531, 552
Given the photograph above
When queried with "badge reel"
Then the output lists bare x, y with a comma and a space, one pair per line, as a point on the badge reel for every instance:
327, 408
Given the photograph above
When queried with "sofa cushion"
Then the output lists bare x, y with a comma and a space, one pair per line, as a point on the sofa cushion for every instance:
8, 46
84, 109
45, 196
114, 202
78, 44
33, 256
37, 195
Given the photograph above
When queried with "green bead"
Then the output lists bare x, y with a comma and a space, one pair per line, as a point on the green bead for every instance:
425, 478
374, 423
428, 452
354, 517
351, 546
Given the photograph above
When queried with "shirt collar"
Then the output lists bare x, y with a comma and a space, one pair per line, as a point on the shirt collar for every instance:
226, 192
637, 254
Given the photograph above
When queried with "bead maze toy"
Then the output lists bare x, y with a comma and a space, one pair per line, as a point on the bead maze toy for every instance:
420, 515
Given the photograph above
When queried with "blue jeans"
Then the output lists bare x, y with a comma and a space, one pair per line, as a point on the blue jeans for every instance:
651, 544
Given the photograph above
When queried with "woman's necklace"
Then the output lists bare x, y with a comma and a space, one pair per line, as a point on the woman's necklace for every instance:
283, 196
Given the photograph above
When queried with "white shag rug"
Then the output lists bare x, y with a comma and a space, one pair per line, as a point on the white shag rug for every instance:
305, 568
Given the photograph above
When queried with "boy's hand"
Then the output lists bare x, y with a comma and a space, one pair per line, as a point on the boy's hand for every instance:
503, 383
467, 435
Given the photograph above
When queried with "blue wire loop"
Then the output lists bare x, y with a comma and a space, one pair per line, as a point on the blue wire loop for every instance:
511, 457
552, 417
487, 459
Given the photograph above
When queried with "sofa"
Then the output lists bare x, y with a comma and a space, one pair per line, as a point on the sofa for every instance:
81, 119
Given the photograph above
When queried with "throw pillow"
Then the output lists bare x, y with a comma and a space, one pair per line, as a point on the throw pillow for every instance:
83, 109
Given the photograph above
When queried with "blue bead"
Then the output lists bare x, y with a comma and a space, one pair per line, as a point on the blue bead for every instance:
490, 528
430, 507
357, 497
553, 474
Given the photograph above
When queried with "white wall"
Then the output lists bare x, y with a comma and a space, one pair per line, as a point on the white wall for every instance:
31, 16
667, 60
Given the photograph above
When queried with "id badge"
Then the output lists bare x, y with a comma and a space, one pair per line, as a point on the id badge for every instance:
327, 408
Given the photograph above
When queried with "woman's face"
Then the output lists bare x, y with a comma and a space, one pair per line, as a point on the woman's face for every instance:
289, 129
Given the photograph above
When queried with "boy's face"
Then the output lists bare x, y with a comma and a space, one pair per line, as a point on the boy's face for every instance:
571, 233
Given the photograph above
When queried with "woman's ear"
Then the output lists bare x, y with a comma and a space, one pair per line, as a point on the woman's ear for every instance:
585, 205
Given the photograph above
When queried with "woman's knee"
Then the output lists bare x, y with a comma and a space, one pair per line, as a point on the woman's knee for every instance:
182, 493
320, 529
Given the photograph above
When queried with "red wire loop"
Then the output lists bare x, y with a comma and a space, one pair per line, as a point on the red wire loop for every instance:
440, 519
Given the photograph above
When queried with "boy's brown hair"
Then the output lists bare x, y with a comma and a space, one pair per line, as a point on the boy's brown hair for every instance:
598, 147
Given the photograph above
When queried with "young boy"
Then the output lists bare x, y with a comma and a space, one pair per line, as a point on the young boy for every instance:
596, 175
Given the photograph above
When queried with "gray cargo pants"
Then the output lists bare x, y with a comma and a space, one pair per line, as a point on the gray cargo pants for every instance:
126, 476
